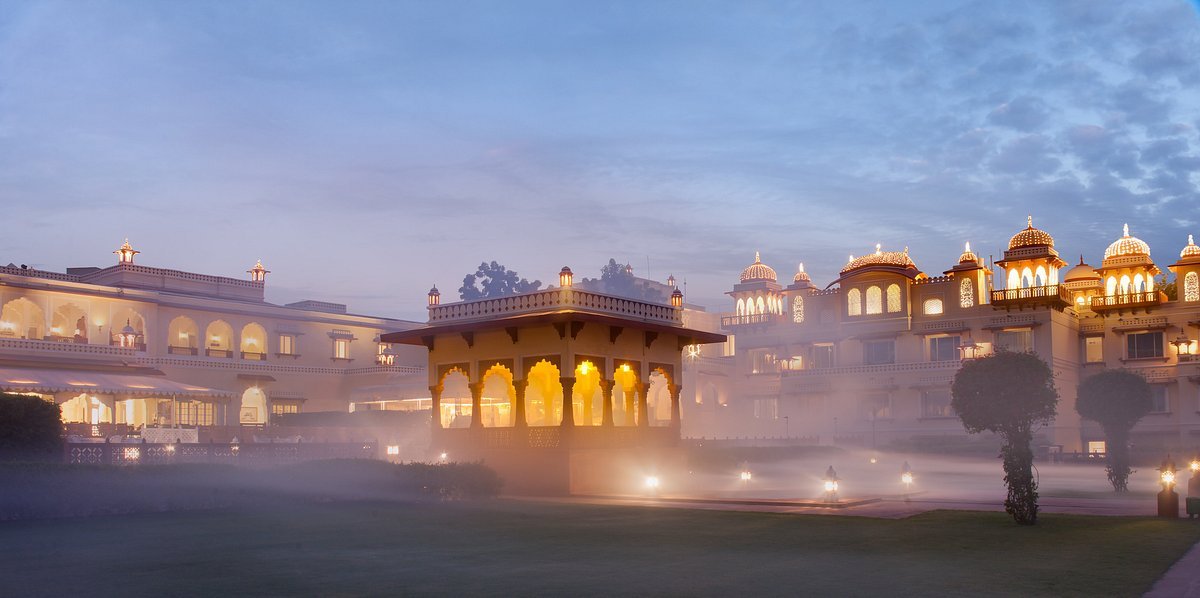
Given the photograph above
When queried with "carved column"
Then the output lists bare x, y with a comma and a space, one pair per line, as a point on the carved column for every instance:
519, 408
675, 390
643, 414
436, 393
476, 404
568, 387
606, 391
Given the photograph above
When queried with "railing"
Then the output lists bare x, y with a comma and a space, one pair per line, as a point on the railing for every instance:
556, 299
218, 353
254, 356
1127, 300
173, 350
728, 322
136, 346
552, 437
21, 344
1053, 293
141, 453
920, 366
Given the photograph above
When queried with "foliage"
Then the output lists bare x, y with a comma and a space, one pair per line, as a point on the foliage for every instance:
1170, 289
1116, 399
617, 279
1008, 393
494, 280
30, 428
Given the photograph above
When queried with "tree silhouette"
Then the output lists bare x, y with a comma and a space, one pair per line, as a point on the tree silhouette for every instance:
618, 279
494, 280
1116, 399
1008, 393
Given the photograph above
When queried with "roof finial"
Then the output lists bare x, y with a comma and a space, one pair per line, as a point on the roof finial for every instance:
1081, 259
878, 248
852, 257
967, 248
906, 250
1126, 229
1029, 219
757, 258
1190, 241
801, 266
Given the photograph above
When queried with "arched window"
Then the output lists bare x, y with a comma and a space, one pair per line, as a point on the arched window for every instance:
22, 318
183, 336
798, 309
69, 322
1191, 287
760, 307
1110, 288
1125, 284
1040, 279
854, 302
1014, 279
1139, 284
874, 301
254, 341
1026, 278
932, 307
966, 293
893, 298
741, 307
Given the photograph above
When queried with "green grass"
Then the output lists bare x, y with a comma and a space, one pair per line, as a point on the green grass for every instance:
525, 548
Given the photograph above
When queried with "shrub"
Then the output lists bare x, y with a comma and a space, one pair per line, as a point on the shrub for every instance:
30, 429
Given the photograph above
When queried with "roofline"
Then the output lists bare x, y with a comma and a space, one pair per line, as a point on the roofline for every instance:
418, 336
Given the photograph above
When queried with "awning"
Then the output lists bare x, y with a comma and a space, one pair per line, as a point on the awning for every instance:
52, 381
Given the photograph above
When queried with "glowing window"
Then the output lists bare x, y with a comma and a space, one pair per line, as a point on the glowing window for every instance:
1093, 349
1097, 447
741, 307
341, 348
798, 309
874, 301
893, 298
760, 307
854, 302
287, 344
1191, 287
966, 293
932, 307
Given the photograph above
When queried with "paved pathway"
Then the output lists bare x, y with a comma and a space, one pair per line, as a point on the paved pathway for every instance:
1182, 580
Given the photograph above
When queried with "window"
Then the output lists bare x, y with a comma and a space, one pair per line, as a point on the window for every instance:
932, 307
341, 348
766, 408
1158, 396
1093, 349
822, 356
966, 293
943, 348
280, 408
876, 407
893, 298
1017, 341
936, 403
762, 361
1191, 287
1145, 345
287, 344
195, 413
874, 301
854, 302
798, 309
1097, 447
879, 352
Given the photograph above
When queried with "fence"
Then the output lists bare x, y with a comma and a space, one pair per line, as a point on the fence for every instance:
231, 453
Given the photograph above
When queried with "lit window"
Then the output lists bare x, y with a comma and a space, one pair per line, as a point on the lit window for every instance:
1093, 349
943, 348
874, 301
893, 298
341, 348
932, 307
966, 293
1097, 447
879, 352
279, 408
854, 302
287, 344
1017, 341
1191, 287
1144, 345
936, 403
798, 309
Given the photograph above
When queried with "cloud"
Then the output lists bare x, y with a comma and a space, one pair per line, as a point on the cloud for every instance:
1023, 114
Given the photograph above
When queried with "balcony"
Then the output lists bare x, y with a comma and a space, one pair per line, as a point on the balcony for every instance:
173, 350
254, 356
734, 322
226, 353
1054, 296
1128, 301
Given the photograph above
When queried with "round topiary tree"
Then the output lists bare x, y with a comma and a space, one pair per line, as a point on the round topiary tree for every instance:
30, 428
1116, 399
1008, 393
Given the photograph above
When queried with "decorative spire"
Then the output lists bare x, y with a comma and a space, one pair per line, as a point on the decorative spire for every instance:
878, 248
802, 263
967, 247
1126, 229
1029, 219
126, 252
757, 258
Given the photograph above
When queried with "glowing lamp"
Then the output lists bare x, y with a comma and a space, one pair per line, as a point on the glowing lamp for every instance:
128, 336
1183, 345
1195, 464
747, 476
584, 368
831, 484
1168, 499
676, 299
393, 450
906, 476
565, 276
442, 457
435, 296
652, 482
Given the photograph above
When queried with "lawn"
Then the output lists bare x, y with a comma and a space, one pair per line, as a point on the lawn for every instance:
525, 548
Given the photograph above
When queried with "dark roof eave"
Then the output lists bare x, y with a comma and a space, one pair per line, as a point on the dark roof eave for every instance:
416, 336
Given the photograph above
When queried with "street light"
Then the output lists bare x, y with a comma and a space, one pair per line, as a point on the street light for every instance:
1192, 504
746, 476
652, 484
1168, 499
442, 457
906, 478
831, 485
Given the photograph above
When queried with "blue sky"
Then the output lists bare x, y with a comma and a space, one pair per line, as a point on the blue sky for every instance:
366, 150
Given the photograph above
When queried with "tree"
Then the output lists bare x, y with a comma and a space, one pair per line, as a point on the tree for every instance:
30, 428
1116, 399
618, 279
1008, 393
494, 280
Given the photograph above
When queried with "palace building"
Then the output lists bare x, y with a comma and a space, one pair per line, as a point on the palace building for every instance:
132, 348
869, 359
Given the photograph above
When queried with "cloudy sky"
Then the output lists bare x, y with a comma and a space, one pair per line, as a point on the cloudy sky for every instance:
366, 150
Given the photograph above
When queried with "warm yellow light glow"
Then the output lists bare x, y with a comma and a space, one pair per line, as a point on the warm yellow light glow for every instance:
873, 460
746, 475
170, 448
624, 367
442, 457
831, 486
906, 478
652, 482
76, 383
1168, 478
1194, 465
583, 368
138, 386
22, 381
393, 449
132, 453
56, 329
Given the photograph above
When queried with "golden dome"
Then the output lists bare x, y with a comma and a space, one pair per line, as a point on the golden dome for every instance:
802, 276
1191, 250
968, 255
1031, 237
1127, 245
880, 258
758, 271
1081, 271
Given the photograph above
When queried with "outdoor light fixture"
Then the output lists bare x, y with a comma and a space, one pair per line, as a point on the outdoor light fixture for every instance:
1183, 344
676, 299
565, 276
831, 485
393, 450
442, 457
1192, 504
1168, 499
652, 484
128, 336
906, 477
435, 296
746, 476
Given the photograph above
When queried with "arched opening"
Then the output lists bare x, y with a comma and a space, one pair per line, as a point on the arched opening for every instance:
874, 300
183, 336
1139, 283
254, 407
86, 409
758, 306
499, 395
22, 318
128, 317
1110, 288
1026, 278
966, 293
1040, 278
625, 395
741, 307
219, 339
254, 341
1125, 284
798, 309
69, 323
543, 395
587, 399
854, 302
893, 298
1014, 279
658, 400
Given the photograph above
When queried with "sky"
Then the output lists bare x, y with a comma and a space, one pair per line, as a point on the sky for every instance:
368, 150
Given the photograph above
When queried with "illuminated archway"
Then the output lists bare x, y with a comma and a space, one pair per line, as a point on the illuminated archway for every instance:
1139, 283
1110, 287
86, 409
254, 339
854, 302
658, 399
1026, 278
183, 333
22, 318
874, 300
1014, 279
1125, 282
456, 399
254, 407
219, 336
624, 395
543, 395
741, 307
1040, 278
759, 307
587, 399
893, 298
127, 317
70, 322
499, 395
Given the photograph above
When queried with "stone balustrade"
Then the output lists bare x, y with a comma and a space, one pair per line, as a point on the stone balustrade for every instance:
555, 300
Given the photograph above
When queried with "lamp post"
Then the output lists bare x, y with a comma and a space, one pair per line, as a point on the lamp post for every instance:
746, 476
831, 485
1168, 499
906, 478
1192, 504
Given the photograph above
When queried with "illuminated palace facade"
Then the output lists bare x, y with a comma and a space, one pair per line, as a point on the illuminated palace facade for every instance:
150, 348
870, 359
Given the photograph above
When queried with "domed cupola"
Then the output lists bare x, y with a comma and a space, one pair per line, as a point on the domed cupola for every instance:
1125, 247
1191, 251
968, 256
1187, 273
1128, 275
1081, 273
758, 271
801, 279
1030, 262
894, 262
1031, 237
